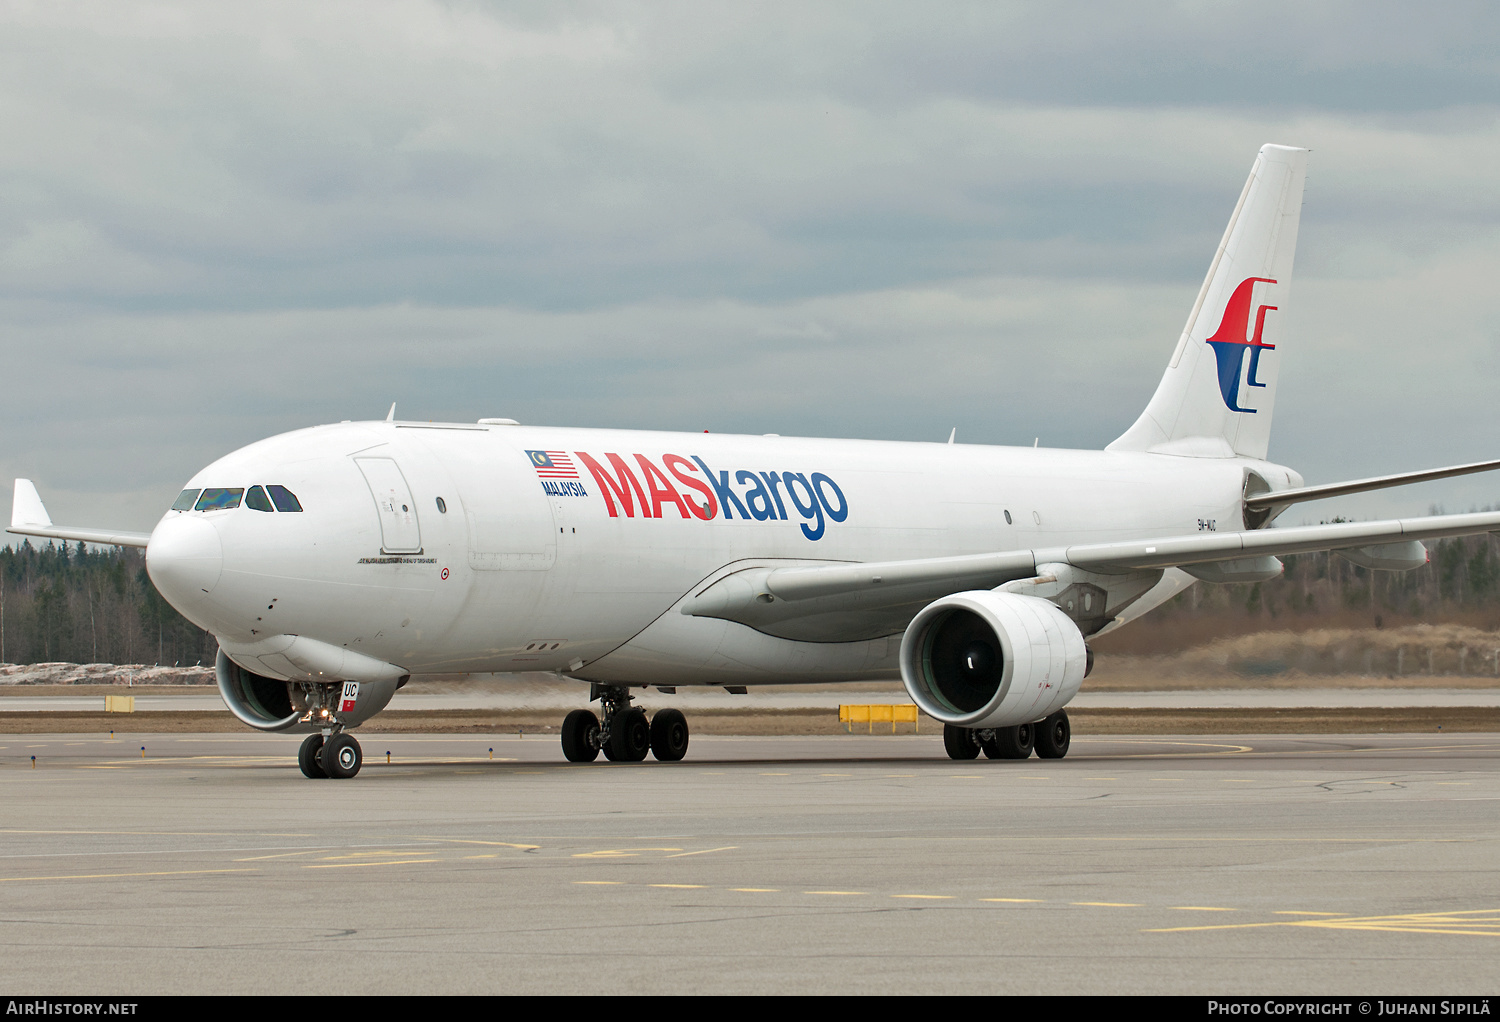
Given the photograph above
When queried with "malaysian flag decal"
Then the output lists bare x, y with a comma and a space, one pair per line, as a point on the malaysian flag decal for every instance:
553, 464
558, 473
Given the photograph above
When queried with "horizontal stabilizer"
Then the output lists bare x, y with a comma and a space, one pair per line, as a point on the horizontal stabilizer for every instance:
28, 517
1203, 547
1279, 498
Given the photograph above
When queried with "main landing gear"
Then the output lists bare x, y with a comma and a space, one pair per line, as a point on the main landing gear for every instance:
332, 755
622, 731
1049, 738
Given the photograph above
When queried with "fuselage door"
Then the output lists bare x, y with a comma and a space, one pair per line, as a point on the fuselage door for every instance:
400, 533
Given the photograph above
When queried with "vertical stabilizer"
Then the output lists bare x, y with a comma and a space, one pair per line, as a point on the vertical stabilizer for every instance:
1217, 395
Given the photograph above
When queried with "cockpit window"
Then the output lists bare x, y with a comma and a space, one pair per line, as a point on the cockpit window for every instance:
256, 499
285, 499
218, 499
184, 501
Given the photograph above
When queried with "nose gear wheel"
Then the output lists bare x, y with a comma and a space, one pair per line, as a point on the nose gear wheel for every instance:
309, 757
341, 756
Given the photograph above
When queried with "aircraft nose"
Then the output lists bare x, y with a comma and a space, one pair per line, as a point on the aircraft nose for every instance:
184, 559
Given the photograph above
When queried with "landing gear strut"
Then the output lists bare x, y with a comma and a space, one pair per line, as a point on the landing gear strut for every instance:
1050, 739
335, 755
621, 731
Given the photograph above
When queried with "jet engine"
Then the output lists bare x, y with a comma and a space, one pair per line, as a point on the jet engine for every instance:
268, 704
987, 659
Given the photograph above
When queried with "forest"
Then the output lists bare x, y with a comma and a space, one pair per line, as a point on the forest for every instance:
63, 602
68, 603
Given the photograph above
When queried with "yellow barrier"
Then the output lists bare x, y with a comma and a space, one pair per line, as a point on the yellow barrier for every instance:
871, 714
119, 704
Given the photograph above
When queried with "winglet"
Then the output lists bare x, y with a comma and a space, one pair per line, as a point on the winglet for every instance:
27, 508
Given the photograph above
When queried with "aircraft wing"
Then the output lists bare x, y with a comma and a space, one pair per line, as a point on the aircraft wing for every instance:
840, 602
28, 517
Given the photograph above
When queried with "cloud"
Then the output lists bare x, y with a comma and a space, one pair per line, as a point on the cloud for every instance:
861, 219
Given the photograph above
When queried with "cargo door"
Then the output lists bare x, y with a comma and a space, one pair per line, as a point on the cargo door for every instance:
400, 532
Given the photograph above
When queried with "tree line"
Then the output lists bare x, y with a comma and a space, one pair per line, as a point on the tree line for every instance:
69, 603
1459, 584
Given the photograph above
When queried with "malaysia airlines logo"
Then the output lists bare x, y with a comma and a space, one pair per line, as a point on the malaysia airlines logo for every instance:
1230, 343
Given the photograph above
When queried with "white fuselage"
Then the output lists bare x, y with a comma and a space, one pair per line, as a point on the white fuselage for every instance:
531, 569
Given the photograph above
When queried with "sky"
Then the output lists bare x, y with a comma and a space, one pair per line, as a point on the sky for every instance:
219, 222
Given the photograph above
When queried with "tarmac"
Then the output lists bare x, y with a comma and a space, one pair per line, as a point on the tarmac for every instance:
182, 863
562, 699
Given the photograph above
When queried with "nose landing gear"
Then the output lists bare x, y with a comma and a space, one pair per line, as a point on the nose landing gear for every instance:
623, 734
335, 755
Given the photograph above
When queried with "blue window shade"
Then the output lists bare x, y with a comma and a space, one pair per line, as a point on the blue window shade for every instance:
285, 499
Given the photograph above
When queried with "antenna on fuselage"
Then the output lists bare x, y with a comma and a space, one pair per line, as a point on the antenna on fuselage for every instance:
390, 416
953, 434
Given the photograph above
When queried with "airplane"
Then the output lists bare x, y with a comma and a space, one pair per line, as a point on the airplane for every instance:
335, 563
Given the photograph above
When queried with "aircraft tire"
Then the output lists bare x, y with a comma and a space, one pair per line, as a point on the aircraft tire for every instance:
579, 731
341, 756
1053, 736
960, 742
629, 736
308, 759
669, 735
1011, 742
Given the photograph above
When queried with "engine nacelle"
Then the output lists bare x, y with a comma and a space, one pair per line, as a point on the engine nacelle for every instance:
986, 659
268, 704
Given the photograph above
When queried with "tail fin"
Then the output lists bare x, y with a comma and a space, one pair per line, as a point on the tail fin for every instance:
1217, 395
